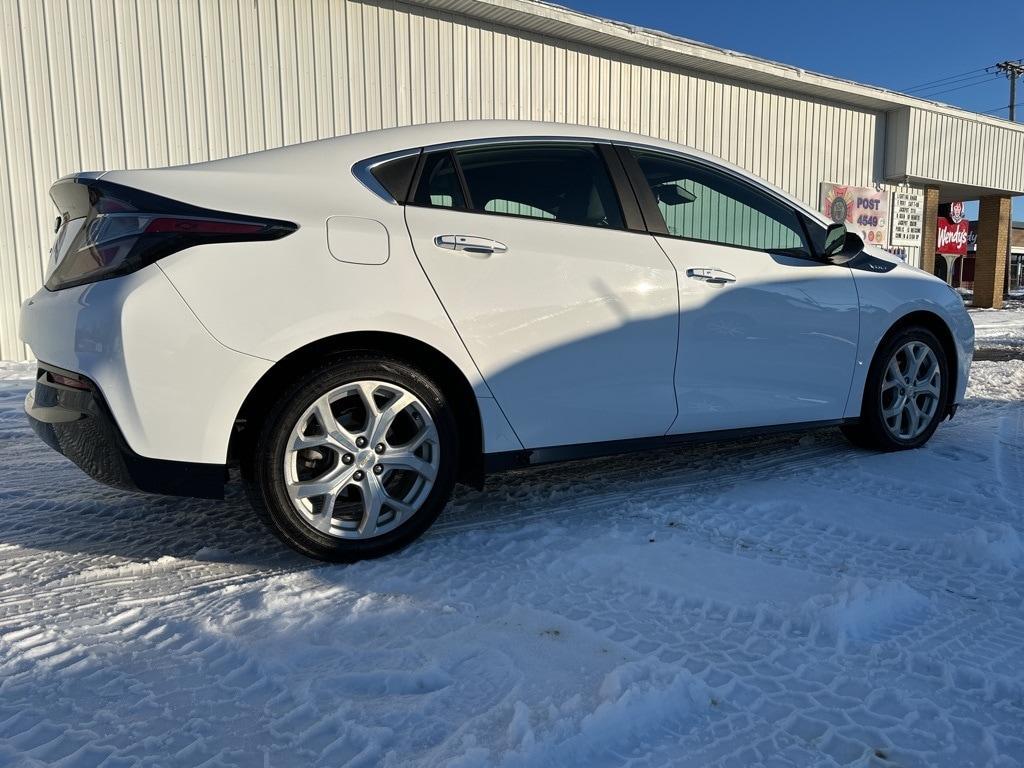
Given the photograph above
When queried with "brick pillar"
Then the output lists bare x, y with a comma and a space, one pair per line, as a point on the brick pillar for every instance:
929, 229
993, 245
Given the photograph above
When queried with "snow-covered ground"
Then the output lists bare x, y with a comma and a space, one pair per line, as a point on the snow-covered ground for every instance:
786, 601
998, 328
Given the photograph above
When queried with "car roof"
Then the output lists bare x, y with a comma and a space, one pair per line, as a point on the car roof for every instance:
317, 155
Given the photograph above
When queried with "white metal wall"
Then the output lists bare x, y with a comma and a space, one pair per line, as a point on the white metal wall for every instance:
954, 150
104, 84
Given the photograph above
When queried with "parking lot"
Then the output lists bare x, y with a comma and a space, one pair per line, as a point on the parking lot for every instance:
789, 598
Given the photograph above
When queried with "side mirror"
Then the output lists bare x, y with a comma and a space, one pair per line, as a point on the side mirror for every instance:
841, 245
674, 193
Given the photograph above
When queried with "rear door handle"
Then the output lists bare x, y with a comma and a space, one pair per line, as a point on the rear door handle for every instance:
711, 275
469, 244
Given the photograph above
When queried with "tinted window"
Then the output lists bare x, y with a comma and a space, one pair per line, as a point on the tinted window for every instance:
439, 183
568, 183
396, 175
700, 203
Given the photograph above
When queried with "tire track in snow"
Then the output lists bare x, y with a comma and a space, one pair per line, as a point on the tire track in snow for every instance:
237, 663
604, 483
1009, 454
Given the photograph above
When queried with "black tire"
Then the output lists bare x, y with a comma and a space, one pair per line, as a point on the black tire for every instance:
871, 432
263, 471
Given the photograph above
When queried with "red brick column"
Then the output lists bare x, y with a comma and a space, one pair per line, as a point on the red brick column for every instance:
993, 246
930, 229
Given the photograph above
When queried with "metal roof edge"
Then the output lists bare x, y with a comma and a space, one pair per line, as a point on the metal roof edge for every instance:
557, 21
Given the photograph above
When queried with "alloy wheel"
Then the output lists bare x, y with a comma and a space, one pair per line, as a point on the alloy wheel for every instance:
911, 388
361, 459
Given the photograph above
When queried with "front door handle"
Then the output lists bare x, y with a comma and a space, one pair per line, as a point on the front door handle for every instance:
711, 275
469, 244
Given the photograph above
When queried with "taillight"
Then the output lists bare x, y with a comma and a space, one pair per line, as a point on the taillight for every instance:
125, 229
185, 225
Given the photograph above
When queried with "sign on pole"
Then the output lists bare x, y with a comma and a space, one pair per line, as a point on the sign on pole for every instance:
953, 231
907, 217
864, 210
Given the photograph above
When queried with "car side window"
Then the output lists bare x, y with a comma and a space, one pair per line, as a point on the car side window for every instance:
699, 203
439, 183
555, 182
512, 208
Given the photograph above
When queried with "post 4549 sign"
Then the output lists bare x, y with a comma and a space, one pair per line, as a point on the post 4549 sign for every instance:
863, 210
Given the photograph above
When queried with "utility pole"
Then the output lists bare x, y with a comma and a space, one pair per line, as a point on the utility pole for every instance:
1012, 70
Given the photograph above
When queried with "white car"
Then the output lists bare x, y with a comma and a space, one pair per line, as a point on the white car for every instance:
361, 322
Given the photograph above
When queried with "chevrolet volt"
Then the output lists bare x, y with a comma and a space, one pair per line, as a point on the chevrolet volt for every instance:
360, 323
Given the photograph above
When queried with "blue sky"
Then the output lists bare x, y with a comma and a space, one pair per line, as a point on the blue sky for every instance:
898, 44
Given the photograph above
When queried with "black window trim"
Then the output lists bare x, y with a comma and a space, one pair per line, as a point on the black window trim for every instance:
417, 177
467, 197
624, 194
363, 171
627, 178
629, 206
656, 221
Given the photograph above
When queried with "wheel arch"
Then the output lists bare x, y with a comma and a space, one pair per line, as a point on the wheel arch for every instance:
438, 366
933, 322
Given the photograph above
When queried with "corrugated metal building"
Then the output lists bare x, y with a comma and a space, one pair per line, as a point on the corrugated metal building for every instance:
105, 84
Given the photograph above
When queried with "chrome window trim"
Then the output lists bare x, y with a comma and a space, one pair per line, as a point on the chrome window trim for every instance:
363, 172
549, 139
751, 181
556, 139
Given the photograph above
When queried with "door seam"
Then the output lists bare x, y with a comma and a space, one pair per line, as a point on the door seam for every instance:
455, 328
679, 321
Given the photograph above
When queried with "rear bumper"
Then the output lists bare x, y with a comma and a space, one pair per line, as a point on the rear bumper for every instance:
77, 423
172, 390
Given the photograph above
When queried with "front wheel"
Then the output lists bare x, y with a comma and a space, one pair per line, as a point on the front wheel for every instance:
356, 460
905, 393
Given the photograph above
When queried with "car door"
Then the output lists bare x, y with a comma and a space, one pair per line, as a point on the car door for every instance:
570, 316
767, 331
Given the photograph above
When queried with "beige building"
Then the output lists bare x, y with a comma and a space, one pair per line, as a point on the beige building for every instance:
105, 84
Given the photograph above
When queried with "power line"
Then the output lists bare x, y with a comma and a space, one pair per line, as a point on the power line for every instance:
973, 78
962, 77
933, 94
1012, 70
943, 79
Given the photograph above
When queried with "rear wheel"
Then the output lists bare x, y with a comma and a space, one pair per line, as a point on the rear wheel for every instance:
356, 461
905, 393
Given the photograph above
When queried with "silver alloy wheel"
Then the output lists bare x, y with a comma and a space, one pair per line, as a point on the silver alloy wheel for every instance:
910, 390
361, 459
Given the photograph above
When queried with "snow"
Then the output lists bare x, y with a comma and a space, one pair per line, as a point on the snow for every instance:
17, 371
1000, 327
999, 545
788, 600
998, 381
862, 609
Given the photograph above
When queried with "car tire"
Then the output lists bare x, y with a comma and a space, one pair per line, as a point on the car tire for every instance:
296, 454
891, 394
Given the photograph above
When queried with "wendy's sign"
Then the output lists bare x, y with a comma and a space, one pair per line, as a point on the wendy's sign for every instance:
956, 212
953, 230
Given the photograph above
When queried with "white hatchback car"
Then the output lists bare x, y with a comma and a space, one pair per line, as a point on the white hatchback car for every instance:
362, 322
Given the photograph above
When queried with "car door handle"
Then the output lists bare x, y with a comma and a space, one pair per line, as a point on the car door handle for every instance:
709, 275
469, 244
